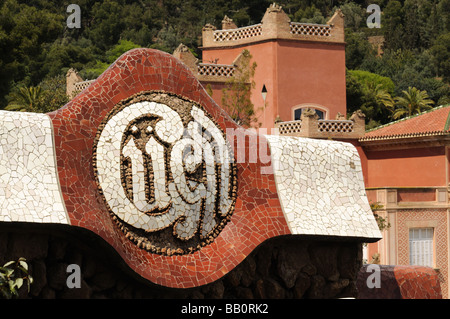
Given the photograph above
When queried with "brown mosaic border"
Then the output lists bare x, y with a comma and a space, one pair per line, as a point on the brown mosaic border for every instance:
165, 241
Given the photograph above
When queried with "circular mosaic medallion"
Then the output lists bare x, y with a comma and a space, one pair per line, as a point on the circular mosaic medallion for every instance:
166, 172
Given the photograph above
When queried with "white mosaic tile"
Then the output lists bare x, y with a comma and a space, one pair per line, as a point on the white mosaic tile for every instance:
29, 185
321, 187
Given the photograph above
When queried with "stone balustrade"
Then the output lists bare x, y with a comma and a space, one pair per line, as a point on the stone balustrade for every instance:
80, 86
311, 126
321, 30
274, 25
239, 33
206, 69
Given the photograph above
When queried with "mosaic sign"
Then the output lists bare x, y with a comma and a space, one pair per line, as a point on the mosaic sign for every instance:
166, 173
140, 158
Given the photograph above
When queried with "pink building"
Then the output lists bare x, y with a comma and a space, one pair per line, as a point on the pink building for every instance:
406, 170
405, 163
302, 67
295, 61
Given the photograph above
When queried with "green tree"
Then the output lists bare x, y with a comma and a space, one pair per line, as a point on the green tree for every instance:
48, 96
444, 8
371, 93
412, 25
107, 23
441, 53
377, 102
167, 39
413, 101
120, 48
309, 15
236, 97
355, 16
358, 49
62, 55
53, 94
24, 33
138, 24
93, 70
392, 25
368, 78
33, 29
26, 99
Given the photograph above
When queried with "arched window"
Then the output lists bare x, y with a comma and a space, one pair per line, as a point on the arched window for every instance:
298, 112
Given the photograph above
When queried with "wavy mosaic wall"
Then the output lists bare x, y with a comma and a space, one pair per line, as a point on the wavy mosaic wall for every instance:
141, 158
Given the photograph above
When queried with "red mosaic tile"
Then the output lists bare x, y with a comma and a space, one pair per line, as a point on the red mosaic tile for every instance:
417, 282
399, 282
257, 215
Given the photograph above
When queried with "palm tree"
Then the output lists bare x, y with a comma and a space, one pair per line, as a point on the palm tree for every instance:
26, 99
377, 103
379, 96
413, 101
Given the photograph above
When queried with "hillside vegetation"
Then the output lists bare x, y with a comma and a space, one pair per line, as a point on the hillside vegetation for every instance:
37, 48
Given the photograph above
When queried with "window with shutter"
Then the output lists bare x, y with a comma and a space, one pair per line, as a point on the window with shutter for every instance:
421, 246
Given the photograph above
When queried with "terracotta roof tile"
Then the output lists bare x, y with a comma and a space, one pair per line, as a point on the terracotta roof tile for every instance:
431, 121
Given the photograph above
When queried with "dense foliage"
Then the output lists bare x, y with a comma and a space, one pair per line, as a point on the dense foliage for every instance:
37, 47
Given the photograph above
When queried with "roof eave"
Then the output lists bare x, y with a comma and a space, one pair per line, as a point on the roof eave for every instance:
414, 140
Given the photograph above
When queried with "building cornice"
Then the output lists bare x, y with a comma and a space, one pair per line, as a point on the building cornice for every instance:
388, 199
275, 25
403, 141
279, 40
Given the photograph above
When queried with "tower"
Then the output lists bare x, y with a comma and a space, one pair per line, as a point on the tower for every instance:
299, 65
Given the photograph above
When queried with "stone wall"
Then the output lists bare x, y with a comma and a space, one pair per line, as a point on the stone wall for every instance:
282, 267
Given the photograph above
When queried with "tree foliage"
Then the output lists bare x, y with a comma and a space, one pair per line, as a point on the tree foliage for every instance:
13, 275
415, 55
412, 102
37, 45
371, 93
441, 54
48, 96
26, 99
236, 96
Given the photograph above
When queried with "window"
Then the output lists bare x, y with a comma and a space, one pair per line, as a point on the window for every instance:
421, 246
298, 113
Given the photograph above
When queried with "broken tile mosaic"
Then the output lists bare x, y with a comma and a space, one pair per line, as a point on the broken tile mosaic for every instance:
29, 182
81, 183
161, 178
321, 187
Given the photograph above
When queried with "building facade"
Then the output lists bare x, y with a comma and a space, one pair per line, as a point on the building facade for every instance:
300, 90
407, 175
299, 65
301, 70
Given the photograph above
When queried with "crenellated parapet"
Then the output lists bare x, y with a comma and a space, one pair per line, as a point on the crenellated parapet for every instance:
208, 72
274, 25
311, 126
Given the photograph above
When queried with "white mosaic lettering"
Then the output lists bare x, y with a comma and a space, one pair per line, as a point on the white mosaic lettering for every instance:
156, 172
